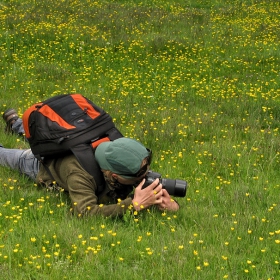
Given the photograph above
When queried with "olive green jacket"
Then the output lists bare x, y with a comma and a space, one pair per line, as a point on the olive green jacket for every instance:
81, 186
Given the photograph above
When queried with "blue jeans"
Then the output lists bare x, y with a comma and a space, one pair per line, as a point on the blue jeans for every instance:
21, 160
17, 127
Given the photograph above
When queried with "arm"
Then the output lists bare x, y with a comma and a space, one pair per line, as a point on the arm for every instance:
81, 187
85, 201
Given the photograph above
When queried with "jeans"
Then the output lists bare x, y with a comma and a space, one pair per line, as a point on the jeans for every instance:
21, 160
17, 127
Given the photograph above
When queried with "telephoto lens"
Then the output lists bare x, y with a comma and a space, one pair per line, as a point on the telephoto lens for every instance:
175, 187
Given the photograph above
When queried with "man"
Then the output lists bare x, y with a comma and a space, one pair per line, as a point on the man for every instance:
124, 163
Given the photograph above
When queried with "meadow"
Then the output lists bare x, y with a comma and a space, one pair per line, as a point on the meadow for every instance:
197, 82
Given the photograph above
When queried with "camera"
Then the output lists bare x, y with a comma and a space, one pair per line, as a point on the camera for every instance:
176, 187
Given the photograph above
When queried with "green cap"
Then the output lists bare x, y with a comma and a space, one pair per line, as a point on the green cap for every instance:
121, 156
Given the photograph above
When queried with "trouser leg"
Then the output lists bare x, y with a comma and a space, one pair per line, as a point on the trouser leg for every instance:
17, 127
21, 160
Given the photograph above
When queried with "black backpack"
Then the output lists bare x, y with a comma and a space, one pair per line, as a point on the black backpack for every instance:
66, 124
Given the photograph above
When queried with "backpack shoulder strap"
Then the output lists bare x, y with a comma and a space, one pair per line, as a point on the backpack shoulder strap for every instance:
26, 116
89, 163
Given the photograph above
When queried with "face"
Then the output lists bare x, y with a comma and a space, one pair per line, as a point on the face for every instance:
121, 187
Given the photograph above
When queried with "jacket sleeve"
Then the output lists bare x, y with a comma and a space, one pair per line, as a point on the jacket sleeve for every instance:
85, 201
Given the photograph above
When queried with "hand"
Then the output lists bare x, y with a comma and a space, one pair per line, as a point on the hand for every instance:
167, 202
151, 195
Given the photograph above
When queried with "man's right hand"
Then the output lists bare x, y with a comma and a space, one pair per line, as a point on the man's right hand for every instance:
151, 195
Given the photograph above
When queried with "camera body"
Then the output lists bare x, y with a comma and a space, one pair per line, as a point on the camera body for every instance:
176, 187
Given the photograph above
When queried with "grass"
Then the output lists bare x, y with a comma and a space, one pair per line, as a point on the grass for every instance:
195, 81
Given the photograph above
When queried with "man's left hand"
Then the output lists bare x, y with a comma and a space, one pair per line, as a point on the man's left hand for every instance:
167, 202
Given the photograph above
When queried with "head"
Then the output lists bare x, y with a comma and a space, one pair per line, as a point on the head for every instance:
123, 161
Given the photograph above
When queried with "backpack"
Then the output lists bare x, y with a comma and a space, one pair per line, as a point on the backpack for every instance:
66, 124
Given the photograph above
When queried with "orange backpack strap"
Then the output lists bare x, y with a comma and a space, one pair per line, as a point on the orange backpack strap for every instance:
25, 118
94, 144
49, 113
83, 103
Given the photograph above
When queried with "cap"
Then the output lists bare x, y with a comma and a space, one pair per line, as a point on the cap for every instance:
121, 156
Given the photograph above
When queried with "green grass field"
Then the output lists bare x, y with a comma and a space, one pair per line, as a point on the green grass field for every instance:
196, 81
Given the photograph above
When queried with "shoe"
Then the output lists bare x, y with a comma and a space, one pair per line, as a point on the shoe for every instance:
10, 116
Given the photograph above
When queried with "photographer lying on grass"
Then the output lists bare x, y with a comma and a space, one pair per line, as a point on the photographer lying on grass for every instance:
124, 163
